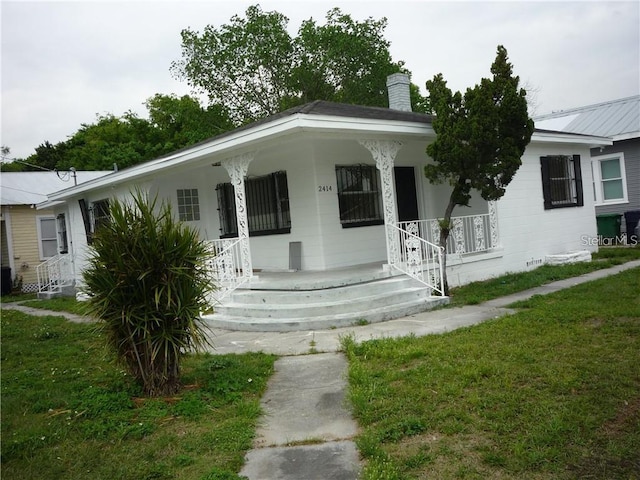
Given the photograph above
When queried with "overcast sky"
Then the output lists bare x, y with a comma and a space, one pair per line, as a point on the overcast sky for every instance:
65, 62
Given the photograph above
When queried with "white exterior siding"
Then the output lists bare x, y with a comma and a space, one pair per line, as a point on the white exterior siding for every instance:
528, 232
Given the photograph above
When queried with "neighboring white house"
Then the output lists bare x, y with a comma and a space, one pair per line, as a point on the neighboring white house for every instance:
327, 186
29, 236
615, 168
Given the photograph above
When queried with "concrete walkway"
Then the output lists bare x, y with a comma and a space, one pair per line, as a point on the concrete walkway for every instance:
306, 430
39, 312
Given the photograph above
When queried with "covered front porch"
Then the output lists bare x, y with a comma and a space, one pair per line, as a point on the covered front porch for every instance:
266, 300
321, 247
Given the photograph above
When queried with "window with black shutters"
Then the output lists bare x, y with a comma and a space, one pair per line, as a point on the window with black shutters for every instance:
359, 195
267, 200
561, 181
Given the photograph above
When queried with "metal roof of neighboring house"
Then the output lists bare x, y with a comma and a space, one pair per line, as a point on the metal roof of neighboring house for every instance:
618, 119
30, 188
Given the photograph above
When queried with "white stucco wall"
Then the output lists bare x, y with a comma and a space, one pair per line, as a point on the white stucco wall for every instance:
528, 232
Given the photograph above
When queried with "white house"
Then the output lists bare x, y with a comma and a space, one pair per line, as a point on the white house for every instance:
322, 199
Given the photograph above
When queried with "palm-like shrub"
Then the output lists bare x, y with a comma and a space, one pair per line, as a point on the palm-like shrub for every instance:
147, 285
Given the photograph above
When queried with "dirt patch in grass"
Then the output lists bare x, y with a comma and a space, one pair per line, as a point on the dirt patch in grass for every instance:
600, 460
435, 455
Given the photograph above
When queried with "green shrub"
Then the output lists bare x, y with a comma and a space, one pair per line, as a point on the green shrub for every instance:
147, 285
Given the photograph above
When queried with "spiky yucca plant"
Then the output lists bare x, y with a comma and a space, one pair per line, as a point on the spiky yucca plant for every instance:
147, 286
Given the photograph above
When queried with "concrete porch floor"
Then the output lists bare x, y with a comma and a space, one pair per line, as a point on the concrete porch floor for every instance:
319, 279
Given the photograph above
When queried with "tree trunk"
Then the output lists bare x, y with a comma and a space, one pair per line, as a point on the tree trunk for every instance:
445, 229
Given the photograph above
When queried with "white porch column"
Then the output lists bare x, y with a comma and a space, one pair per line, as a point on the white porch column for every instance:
237, 168
493, 224
384, 153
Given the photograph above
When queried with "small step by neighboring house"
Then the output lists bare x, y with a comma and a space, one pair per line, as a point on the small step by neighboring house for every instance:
64, 291
323, 304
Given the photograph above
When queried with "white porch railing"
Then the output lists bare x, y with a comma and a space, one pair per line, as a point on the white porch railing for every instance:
55, 273
469, 234
225, 265
419, 259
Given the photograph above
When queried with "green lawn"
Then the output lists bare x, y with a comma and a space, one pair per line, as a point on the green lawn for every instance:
478, 292
69, 413
552, 392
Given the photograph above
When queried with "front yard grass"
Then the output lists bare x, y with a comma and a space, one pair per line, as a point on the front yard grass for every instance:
551, 392
478, 292
69, 413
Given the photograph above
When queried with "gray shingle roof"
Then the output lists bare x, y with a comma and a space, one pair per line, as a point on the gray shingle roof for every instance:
608, 119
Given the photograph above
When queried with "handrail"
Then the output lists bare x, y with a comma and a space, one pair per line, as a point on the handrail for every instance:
55, 273
419, 258
224, 264
469, 234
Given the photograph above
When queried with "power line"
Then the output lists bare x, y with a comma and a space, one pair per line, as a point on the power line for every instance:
65, 175
10, 160
24, 191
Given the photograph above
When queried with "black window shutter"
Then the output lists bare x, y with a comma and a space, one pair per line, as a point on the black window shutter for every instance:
84, 210
546, 182
578, 174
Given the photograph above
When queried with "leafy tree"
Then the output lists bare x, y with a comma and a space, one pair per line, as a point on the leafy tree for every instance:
127, 140
257, 69
122, 141
481, 137
49, 155
147, 285
244, 64
349, 61
181, 121
7, 164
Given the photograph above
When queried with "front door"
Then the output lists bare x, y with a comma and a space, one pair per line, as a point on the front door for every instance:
406, 196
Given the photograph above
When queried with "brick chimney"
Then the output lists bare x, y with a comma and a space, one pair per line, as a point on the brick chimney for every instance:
399, 96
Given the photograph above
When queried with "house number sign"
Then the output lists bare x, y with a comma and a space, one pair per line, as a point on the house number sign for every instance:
325, 188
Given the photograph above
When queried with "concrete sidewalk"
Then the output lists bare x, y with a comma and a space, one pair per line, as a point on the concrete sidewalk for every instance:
313, 341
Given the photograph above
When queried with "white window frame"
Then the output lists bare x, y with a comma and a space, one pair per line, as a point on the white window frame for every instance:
39, 219
597, 179
188, 204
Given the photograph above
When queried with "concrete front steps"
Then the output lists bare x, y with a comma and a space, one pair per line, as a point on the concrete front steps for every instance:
64, 291
322, 306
